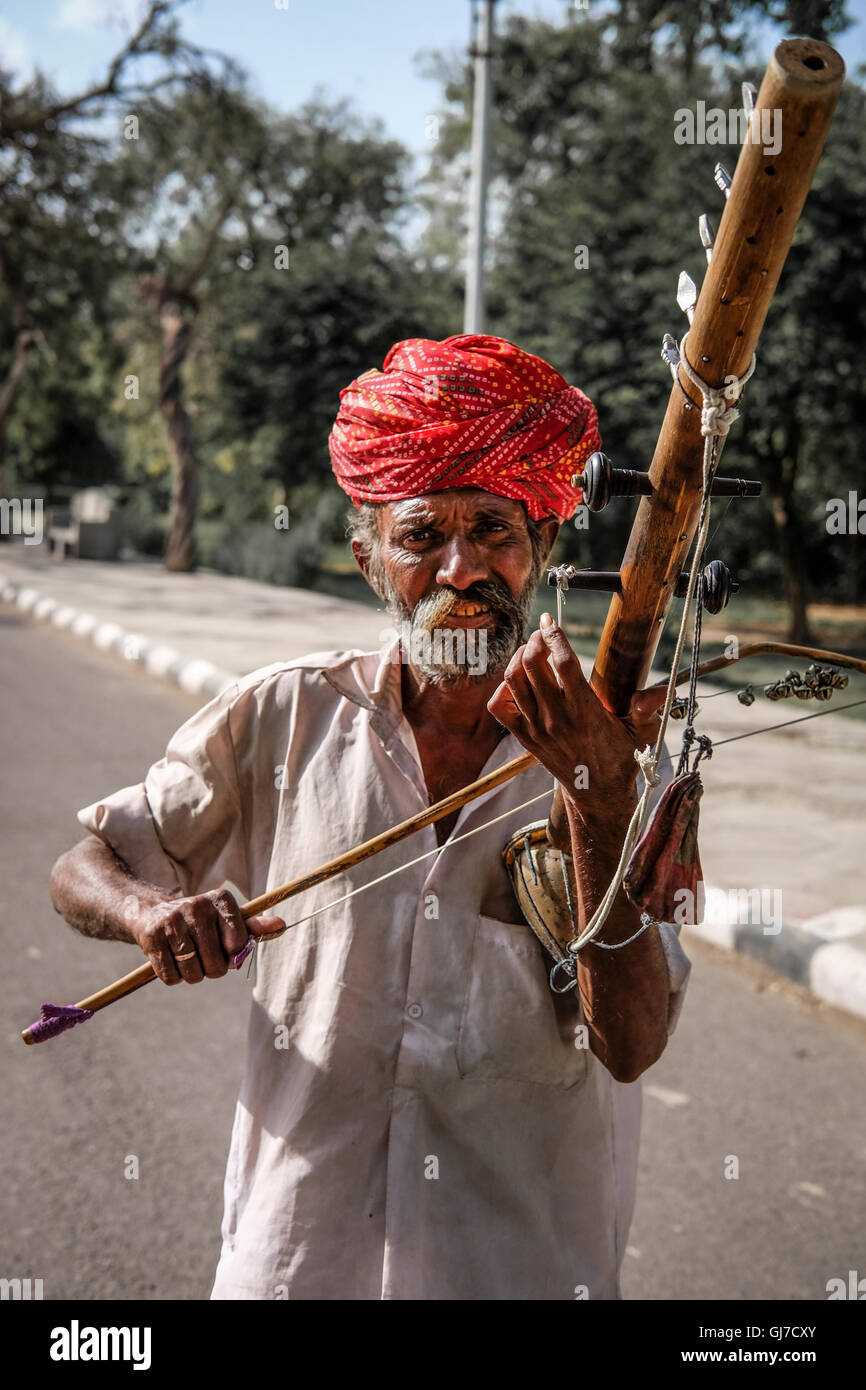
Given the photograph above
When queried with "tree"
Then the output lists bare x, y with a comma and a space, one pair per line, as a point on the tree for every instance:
649, 34
193, 164
295, 328
301, 201
595, 215
56, 193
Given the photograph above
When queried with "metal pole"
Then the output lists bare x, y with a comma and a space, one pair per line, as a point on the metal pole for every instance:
473, 315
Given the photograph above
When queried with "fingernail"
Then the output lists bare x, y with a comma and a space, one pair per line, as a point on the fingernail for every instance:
546, 621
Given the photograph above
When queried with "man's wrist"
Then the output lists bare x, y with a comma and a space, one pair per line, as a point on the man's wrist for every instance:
599, 820
127, 908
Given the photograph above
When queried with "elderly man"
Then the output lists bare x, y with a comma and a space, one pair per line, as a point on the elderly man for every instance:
420, 1116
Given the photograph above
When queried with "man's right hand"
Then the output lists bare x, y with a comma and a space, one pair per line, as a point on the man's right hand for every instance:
190, 938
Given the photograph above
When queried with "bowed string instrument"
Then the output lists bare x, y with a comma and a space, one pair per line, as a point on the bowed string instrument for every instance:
710, 366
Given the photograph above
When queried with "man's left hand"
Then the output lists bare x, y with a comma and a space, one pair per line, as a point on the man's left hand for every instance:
567, 728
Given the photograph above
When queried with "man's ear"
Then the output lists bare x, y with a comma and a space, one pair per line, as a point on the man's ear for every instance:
549, 528
362, 559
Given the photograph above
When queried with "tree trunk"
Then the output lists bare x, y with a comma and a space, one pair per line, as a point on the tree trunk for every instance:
184, 498
24, 345
177, 305
25, 342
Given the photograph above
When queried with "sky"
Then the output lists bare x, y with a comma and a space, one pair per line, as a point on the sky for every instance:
361, 49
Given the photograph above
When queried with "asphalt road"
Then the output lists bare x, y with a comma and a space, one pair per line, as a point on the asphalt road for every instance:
758, 1079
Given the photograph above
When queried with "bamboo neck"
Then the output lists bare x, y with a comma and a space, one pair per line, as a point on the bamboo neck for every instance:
800, 89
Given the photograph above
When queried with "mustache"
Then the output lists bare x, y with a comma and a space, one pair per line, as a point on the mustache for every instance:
428, 611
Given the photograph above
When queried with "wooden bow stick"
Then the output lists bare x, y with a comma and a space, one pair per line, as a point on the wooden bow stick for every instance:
145, 973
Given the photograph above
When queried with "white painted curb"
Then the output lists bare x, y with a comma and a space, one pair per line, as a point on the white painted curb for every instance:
827, 954
194, 675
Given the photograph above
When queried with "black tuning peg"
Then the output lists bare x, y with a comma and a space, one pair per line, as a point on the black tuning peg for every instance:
600, 481
718, 586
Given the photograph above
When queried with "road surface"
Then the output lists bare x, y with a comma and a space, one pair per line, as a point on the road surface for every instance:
759, 1079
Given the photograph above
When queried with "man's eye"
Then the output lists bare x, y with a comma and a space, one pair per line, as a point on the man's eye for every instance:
423, 534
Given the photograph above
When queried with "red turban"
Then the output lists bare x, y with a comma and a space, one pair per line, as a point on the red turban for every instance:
471, 411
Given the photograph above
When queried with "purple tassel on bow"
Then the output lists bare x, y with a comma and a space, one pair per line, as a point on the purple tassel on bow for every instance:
238, 960
56, 1018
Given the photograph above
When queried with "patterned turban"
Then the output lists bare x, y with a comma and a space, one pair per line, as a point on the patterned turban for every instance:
471, 411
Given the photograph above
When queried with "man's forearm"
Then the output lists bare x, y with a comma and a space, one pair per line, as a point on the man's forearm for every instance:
97, 894
625, 993
185, 938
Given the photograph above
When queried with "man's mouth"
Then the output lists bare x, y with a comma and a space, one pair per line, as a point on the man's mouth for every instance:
468, 610
466, 614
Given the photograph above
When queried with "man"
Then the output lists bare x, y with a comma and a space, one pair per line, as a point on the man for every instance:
420, 1117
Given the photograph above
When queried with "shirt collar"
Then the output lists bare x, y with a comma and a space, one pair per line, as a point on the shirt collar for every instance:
373, 681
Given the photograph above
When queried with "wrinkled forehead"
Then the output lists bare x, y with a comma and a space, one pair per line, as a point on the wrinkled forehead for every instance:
456, 506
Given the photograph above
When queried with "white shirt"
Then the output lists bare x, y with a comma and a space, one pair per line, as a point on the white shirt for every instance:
415, 1119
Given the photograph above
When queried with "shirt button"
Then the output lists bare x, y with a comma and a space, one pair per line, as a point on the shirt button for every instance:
414, 1011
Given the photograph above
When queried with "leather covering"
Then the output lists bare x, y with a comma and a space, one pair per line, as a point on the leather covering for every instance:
537, 872
665, 866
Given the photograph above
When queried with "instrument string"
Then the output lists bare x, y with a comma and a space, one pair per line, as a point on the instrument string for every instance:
768, 728
720, 523
428, 854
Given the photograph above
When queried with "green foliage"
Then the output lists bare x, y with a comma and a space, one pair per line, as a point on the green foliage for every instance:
307, 285
63, 247
292, 339
584, 155
259, 550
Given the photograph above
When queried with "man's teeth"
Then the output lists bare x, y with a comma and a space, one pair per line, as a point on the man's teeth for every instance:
469, 610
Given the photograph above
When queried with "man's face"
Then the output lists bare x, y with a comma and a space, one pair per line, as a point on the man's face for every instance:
459, 559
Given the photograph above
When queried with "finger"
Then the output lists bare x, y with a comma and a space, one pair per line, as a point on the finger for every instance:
189, 966
265, 926
179, 935
539, 672
505, 710
232, 927
644, 714
565, 663
518, 686
645, 703
207, 938
162, 960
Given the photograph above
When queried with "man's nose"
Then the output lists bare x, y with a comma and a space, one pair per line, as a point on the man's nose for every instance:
461, 564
